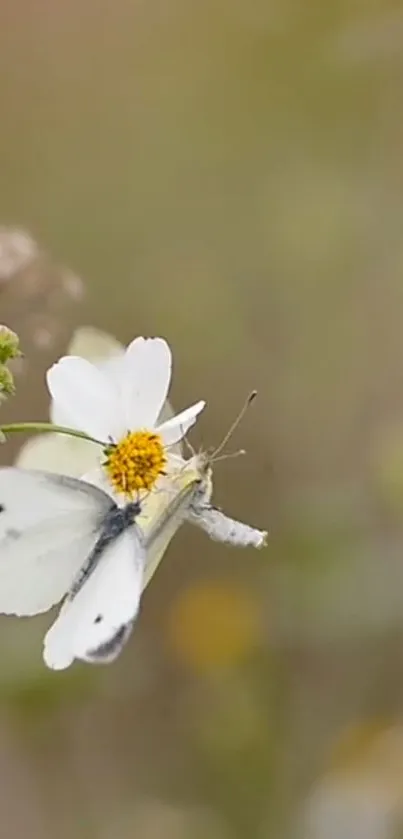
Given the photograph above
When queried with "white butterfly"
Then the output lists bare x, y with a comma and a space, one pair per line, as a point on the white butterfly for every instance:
197, 499
63, 538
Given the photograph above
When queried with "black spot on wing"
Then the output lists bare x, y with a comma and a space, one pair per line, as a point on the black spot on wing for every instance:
98, 619
2, 508
13, 534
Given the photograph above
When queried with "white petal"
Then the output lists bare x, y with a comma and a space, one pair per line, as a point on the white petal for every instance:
143, 381
166, 414
96, 346
98, 478
85, 395
58, 453
112, 367
58, 415
93, 344
176, 428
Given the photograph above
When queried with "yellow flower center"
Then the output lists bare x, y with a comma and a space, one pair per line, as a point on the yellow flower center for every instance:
135, 462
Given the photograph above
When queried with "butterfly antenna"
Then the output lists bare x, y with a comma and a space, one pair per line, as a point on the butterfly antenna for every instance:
230, 455
188, 445
234, 425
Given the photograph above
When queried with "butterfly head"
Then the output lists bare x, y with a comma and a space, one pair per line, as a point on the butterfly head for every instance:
204, 460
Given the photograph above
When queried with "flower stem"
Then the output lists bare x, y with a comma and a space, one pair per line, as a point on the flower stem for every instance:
47, 428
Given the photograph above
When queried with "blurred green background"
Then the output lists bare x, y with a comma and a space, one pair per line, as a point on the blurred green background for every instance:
228, 175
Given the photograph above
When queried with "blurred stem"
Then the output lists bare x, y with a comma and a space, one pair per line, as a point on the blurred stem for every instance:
47, 428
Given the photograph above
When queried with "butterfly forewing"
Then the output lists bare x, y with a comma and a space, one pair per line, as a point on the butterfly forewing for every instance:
48, 526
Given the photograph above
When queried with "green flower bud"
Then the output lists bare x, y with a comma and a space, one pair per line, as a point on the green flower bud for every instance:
6, 383
9, 344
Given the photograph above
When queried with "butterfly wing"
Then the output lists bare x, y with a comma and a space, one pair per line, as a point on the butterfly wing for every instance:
48, 526
164, 511
95, 623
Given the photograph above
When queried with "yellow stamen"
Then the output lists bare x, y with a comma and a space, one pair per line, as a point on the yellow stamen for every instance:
135, 462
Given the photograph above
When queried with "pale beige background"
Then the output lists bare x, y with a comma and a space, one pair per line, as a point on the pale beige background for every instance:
228, 175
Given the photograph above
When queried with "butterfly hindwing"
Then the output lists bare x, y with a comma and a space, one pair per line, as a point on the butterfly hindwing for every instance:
95, 623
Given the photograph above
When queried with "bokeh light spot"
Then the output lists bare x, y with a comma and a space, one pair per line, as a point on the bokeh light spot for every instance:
213, 624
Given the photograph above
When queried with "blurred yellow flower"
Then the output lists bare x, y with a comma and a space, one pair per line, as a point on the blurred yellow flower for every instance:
213, 624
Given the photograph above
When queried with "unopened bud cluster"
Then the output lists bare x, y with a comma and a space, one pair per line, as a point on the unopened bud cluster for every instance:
9, 349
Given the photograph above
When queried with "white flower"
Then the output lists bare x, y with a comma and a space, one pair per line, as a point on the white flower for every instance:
70, 455
75, 457
121, 411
